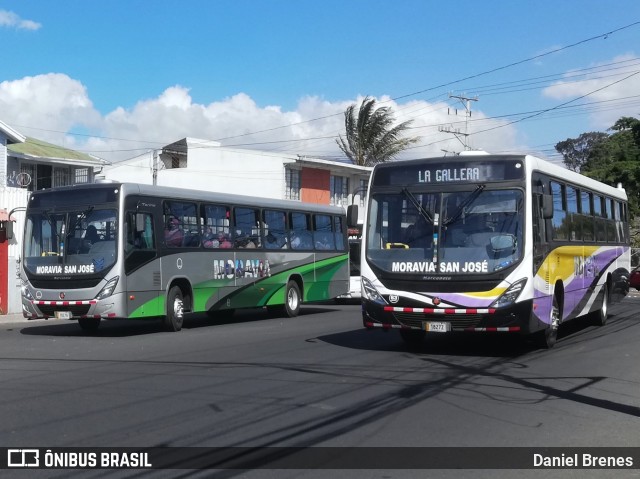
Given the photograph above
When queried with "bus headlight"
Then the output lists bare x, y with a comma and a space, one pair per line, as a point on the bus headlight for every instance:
510, 295
371, 293
25, 292
108, 288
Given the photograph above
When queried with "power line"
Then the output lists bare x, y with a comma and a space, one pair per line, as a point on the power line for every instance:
529, 59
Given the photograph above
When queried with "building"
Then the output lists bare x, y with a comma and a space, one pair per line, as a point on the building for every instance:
205, 165
27, 164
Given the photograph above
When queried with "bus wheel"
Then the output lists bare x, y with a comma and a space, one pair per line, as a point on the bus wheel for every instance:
292, 299
175, 314
89, 324
550, 335
412, 338
600, 316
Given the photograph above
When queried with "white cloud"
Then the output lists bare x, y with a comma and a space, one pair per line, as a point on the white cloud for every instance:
49, 104
53, 106
608, 90
11, 20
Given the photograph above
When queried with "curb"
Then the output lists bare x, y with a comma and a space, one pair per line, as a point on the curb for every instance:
14, 318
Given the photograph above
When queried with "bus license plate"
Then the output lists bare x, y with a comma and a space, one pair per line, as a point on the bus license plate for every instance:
437, 327
63, 314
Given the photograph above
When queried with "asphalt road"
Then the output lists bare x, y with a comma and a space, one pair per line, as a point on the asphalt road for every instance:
317, 380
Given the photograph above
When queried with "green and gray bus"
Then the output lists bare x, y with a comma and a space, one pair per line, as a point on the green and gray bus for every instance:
120, 250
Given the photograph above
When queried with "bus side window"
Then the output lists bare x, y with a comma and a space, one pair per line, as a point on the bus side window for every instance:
275, 229
301, 236
338, 229
139, 232
246, 225
323, 236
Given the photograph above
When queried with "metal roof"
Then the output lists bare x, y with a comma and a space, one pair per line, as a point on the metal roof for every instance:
38, 149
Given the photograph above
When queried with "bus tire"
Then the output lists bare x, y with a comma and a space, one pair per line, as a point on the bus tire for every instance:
549, 335
412, 338
292, 299
601, 315
89, 324
175, 313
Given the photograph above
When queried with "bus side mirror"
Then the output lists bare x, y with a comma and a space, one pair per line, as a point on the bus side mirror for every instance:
7, 228
547, 207
352, 216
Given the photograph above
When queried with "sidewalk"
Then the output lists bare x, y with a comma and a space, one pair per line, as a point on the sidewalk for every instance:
15, 318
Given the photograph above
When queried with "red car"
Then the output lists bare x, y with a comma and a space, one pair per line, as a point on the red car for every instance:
634, 278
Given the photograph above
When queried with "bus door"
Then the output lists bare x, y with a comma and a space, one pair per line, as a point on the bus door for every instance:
142, 270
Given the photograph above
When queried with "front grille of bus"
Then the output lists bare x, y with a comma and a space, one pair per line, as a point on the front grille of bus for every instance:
76, 310
458, 321
443, 285
60, 284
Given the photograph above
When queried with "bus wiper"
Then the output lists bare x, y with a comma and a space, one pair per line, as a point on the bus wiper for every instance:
85, 214
414, 201
466, 202
54, 230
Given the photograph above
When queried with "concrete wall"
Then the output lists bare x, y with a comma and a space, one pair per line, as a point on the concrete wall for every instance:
11, 198
216, 169
243, 172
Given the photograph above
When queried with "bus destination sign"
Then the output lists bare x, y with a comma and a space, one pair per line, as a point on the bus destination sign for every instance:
437, 173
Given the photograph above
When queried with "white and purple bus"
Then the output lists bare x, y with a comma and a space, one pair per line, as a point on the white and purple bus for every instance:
490, 243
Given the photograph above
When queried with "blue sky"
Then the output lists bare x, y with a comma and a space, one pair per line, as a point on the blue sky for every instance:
134, 75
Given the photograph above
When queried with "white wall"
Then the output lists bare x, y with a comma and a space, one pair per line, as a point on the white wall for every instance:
215, 169
134, 170
11, 198
229, 171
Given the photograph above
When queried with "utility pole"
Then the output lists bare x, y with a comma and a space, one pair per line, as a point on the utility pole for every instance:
466, 102
155, 167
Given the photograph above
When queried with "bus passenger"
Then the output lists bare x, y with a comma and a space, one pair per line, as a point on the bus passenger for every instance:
92, 234
173, 234
223, 241
209, 239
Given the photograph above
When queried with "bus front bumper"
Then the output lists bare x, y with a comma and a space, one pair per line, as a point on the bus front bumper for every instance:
514, 319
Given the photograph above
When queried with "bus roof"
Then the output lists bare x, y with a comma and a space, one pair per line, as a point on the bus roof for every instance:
532, 163
169, 192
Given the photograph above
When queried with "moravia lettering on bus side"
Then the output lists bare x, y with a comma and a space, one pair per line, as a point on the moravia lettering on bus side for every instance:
251, 268
449, 175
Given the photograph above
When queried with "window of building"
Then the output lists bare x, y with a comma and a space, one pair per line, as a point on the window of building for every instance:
339, 190
362, 191
292, 184
61, 176
82, 175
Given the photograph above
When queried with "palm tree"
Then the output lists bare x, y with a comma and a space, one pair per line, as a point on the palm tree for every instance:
370, 138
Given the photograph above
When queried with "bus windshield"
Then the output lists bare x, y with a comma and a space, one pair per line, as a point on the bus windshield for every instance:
76, 242
477, 231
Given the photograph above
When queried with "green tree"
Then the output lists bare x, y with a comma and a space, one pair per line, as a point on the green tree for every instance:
575, 151
370, 137
617, 160
611, 158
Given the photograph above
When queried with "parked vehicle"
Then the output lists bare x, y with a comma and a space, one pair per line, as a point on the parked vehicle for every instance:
354, 271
